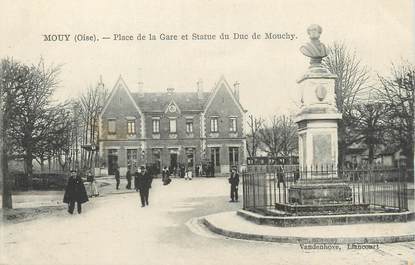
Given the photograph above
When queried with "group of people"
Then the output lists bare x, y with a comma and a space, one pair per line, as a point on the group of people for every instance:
75, 191
142, 182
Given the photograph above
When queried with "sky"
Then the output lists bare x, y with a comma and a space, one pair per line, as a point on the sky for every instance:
381, 32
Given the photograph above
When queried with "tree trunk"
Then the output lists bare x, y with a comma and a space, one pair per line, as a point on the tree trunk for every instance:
29, 168
371, 154
342, 145
49, 163
42, 164
5, 176
7, 202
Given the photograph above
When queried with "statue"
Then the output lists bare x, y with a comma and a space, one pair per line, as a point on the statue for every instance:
314, 49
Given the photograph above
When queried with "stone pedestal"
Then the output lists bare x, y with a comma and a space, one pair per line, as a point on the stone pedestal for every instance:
317, 120
320, 194
318, 148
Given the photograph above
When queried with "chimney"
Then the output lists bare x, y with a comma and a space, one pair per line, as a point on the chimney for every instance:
100, 83
170, 91
199, 89
140, 86
236, 90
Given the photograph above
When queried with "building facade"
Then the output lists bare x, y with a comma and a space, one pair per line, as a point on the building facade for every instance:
172, 128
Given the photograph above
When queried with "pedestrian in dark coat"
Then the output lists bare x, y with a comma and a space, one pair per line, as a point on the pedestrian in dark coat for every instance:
128, 177
144, 185
75, 192
117, 178
234, 181
136, 177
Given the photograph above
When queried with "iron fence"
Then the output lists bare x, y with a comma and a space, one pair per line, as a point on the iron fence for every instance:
382, 189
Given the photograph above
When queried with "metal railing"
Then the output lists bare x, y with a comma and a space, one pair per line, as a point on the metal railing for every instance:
383, 189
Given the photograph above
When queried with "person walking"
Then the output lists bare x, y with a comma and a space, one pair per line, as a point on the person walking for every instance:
234, 181
128, 177
136, 177
93, 192
75, 192
117, 177
144, 185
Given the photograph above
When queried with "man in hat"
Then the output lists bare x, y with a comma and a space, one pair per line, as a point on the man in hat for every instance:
234, 181
144, 185
136, 177
75, 192
117, 177
128, 177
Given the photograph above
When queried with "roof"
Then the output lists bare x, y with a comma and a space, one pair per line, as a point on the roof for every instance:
158, 102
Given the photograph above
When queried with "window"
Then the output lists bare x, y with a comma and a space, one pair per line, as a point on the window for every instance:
214, 156
172, 125
233, 156
131, 127
132, 156
189, 126
214, 124
111, 126
156, 126
232, 123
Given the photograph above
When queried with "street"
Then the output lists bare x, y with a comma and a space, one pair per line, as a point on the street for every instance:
115, 229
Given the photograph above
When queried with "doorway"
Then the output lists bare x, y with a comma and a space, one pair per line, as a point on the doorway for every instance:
215, 158
112, 161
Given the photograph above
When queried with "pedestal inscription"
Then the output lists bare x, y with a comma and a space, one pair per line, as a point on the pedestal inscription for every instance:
322, 149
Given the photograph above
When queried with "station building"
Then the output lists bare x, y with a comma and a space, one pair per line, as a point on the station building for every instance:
171, 128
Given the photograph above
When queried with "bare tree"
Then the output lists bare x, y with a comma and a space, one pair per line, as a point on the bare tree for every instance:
253, 141
12, 76
368, 125
90, 106
30, 117
280, 137
352, 81
55, 138
397, 93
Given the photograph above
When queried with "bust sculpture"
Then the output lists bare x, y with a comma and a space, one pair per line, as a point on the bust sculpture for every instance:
314, 49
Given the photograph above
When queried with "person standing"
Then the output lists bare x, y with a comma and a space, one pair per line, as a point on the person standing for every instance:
280, 176
189, 173
75, 192
234, 181
128, 177
144, 185
93, 184
164, 174
117, 177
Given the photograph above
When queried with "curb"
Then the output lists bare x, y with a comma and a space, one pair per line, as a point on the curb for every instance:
306, 240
